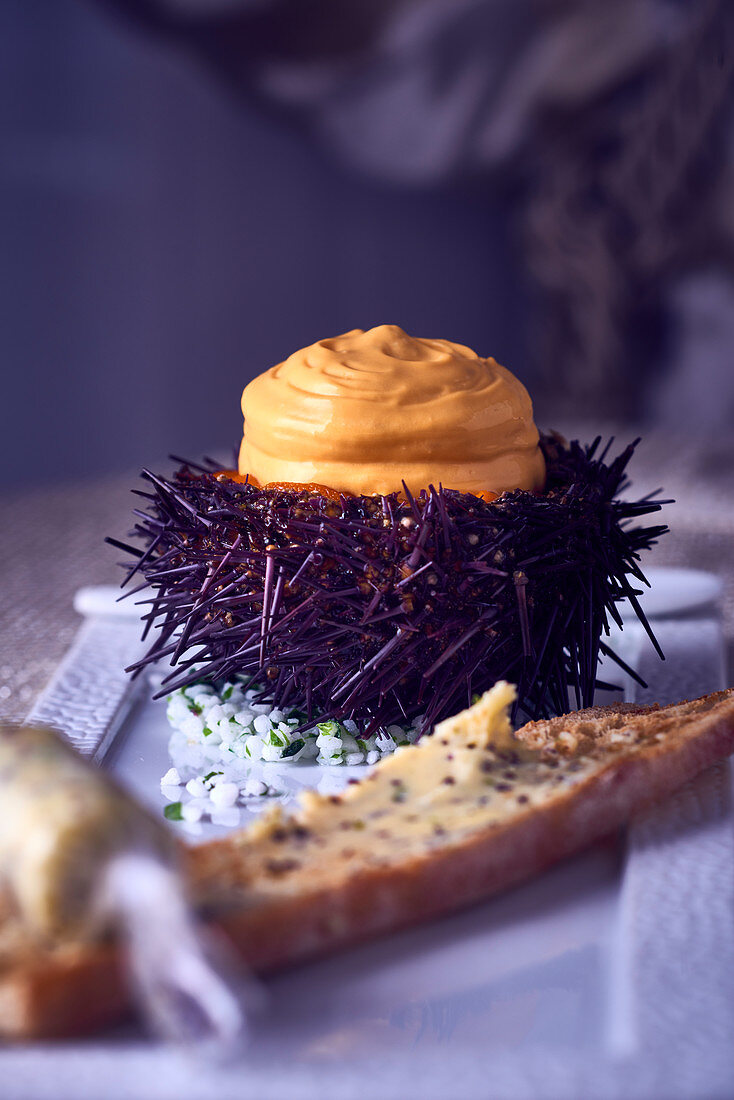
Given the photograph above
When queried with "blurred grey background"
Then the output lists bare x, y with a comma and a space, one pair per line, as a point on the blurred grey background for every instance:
190, 191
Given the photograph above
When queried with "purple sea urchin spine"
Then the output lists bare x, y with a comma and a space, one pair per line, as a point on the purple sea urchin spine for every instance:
381, 608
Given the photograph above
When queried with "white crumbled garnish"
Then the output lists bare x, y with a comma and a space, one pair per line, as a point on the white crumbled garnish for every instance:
253, 788
225, 794
196, 788
384, 743
220, 735
261, 724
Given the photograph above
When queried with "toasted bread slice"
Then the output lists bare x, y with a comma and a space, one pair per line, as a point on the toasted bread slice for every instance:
466, 813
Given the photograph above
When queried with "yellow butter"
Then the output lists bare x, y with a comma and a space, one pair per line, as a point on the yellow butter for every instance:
471, 773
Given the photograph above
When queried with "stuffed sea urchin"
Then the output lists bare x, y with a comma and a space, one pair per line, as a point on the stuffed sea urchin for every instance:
382, 607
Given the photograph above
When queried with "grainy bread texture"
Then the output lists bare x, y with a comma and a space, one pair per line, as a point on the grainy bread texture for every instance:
389, 853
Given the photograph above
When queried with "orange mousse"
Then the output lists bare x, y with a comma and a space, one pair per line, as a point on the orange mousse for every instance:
366, 411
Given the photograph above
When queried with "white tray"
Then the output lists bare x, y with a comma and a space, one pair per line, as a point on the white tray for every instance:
610, 975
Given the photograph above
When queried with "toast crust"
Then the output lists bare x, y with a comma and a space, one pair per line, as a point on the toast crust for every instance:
644, 753
284, 930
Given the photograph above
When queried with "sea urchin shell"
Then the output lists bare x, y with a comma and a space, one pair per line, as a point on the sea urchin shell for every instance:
380, 608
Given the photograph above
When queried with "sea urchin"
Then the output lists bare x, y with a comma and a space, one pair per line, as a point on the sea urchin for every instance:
380, 608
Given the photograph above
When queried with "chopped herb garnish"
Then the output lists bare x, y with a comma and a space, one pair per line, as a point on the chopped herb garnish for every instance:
173, 811
329, 729
293, 748
206, 731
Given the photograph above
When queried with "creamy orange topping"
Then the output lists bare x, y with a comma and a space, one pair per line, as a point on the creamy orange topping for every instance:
365, 411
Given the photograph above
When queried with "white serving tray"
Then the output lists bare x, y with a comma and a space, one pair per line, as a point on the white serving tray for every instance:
611, 975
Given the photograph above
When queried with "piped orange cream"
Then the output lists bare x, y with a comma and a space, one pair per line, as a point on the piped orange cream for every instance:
368, 410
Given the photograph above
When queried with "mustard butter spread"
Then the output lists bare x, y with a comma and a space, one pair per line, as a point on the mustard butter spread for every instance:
471, 774
365, 411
